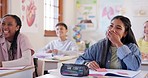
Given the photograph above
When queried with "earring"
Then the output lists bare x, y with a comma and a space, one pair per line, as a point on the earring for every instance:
17, 29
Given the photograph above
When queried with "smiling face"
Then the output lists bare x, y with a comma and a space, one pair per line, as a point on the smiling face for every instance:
146, 29
118, 27
10, 27
61, 31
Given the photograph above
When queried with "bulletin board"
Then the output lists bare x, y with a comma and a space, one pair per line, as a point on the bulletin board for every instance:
86, 14
105, 10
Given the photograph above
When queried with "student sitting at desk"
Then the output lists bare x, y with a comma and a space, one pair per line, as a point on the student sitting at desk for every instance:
15, 49
143, 42
118, 50
62, 44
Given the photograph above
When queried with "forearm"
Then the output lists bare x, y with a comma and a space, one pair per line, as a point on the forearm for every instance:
132, 62
26, 59
80, 60
132, 58
88, 56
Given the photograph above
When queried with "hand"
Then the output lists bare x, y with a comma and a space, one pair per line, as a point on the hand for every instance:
49, 51
55, 51
93, 65
144, 56
114, 38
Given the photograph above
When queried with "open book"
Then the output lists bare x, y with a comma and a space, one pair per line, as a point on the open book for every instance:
114, 72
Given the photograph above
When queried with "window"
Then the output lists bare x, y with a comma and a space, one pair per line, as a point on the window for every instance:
53, 15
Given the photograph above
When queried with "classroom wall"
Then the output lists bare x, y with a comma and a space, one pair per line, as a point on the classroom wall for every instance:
135, 10
37, 38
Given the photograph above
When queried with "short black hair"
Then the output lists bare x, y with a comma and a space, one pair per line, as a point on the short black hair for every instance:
62, 24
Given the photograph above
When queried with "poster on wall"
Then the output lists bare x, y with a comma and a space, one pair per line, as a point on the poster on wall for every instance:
29, 15
140, 10
86, 14
109, 9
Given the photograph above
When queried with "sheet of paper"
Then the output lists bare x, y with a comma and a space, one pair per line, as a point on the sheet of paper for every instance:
43, 55
62, 58
126, 73
144, 61
102, 70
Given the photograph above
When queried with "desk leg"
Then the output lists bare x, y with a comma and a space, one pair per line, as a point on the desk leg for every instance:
40, 68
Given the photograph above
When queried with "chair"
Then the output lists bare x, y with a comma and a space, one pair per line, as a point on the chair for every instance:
36, 66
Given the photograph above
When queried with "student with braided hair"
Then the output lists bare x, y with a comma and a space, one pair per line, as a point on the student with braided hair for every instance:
15, 48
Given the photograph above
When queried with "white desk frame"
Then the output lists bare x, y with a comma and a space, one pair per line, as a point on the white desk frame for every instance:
45, 64
144, 65
23, 73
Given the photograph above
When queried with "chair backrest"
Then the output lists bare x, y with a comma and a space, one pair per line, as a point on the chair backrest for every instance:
35, 65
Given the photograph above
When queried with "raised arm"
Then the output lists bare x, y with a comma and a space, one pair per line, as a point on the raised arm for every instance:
130, 55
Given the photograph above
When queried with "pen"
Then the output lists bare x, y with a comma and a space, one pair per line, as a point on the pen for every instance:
52, 55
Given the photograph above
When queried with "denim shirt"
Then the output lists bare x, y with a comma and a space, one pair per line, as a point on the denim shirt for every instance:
129, 55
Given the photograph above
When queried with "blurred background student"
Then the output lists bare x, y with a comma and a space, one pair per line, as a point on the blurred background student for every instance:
143, 42
15, 48
62, 45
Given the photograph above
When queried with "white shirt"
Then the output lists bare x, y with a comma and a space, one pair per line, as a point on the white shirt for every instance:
61, 46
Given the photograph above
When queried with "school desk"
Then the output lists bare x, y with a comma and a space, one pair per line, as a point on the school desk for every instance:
26, 72
144, 65
56, 74
48, 64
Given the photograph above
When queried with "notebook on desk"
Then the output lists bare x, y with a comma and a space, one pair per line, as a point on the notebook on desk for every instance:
115, 72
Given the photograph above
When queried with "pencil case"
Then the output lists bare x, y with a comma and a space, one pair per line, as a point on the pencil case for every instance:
77, 70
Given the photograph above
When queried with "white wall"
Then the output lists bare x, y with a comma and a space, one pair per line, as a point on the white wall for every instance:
38, 40
130, 8
69, 14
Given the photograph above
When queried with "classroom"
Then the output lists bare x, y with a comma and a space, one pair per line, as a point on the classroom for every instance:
87, 22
